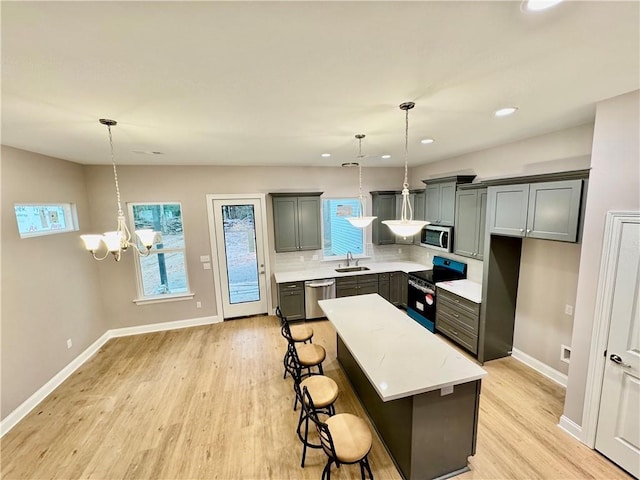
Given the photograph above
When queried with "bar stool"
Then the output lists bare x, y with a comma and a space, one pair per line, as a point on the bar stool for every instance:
345, 438
324, 391
299, 333
309, 354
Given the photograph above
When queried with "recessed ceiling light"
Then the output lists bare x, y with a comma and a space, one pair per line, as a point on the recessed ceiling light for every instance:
538, 5
325, 155
147, 152
427, 141
350, 164
385, 156
505, 112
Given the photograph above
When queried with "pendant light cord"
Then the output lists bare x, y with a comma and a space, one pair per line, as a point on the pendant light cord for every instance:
406, 149
115, 173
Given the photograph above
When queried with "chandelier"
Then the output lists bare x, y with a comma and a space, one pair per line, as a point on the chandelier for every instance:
406, 226
360, 221
119, 240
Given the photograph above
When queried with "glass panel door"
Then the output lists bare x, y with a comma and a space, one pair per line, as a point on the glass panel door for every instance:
238, 232
240, 251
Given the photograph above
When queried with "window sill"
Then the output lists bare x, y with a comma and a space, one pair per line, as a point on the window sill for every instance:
164, 298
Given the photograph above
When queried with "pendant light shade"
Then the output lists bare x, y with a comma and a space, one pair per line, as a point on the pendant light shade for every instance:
406, 226
360, 221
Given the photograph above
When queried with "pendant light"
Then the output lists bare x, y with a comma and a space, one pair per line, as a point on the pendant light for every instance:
119, 240
360, 221
406, 226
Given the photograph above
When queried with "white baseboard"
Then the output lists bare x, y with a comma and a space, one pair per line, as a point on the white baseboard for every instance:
32, 402
571, 428
558, 377
161, 327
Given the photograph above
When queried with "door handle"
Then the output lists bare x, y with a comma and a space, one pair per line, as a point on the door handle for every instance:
616, 359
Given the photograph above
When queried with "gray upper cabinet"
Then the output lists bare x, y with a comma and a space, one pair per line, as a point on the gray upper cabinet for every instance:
296, 219
440, 198
383, 207
418, 210
470, 219
545, 210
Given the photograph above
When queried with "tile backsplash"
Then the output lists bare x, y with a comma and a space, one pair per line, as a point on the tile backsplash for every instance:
291, 261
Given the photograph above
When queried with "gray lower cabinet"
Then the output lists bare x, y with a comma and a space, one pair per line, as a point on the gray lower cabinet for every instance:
390, 287
544, 210
297, 222
291, 300
404, 289
471, 214
458, 319
383, 207
356, 285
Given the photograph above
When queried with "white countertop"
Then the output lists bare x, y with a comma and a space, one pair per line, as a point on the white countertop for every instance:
330, 272
399, 356
464, 288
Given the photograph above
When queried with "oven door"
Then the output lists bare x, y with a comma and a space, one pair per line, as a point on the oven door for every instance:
421, 304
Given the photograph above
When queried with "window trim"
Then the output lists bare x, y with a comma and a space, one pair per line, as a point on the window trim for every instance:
334, 258
142, 299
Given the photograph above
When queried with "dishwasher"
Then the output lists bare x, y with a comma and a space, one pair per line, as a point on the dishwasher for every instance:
315, 290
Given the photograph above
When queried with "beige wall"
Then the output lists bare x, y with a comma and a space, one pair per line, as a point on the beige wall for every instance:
50, 289
614, 184
190, 185
541, 325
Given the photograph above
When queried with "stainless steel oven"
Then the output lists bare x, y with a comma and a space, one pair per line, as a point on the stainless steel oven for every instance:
421, 292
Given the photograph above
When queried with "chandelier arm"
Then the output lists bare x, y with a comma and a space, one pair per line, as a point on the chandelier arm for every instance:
106, 254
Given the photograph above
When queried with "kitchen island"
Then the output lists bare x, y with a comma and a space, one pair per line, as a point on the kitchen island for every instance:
421, 394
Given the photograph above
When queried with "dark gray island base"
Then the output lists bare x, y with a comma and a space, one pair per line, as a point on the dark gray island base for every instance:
428, 435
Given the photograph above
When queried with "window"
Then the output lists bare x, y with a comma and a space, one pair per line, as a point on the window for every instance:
339, 236
164, 272
36, 219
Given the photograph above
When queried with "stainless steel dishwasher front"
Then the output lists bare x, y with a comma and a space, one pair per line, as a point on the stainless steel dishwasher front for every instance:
315, 290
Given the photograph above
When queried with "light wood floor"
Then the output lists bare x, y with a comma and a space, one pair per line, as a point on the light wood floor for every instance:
210, 402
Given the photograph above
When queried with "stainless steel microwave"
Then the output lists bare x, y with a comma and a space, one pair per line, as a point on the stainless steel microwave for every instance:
437, 237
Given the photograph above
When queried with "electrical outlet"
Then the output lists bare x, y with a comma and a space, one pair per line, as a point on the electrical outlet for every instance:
302, 259
206, 266
69, 343
315, 257
568, 309
399, 250
198, 304
205, 258
565, 354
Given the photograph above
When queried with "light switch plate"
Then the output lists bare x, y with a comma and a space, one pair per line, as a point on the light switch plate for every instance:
205, 258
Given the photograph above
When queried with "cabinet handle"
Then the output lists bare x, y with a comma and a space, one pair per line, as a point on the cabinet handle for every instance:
528, 231
453, 332
291, 286
522, 230
455, 315
455, 300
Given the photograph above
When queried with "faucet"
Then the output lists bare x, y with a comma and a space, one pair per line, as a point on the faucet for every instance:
349, 257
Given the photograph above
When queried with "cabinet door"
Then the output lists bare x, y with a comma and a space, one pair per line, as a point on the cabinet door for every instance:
383, 289
292, 304
508, 210
395, 288
418, 212
404, 290
465, 235
482, 222
447, 203
553, 210
285, 218
349, 291
384, 207
432, 203
309, 223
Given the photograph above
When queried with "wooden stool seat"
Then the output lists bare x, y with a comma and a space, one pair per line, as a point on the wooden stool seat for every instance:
351, 437
301, 333
310, 354
323, 390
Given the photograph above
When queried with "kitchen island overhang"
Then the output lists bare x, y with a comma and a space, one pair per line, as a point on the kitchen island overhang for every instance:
421, 394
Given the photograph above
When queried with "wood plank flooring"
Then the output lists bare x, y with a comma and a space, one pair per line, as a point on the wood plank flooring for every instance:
210, 403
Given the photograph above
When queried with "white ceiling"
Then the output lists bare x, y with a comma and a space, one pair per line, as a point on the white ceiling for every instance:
279, 83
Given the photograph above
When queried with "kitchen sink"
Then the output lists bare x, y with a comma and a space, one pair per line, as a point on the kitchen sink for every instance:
351, 269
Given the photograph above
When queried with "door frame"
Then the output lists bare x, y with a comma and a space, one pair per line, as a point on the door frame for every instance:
602, 321
217, 279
